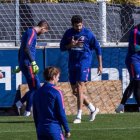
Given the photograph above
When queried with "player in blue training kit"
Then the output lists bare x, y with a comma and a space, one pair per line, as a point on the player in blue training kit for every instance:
27, 63
133, 65
48, 109
80, 43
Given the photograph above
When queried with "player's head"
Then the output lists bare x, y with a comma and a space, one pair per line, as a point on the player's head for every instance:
77, 22
52, 74
43, 27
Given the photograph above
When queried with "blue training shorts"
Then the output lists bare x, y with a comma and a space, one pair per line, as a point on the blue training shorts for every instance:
51, 136
78, 74
134, 70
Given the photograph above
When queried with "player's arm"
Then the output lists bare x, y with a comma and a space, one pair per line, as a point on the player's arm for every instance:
67, 42
131, 47
61, 113
64, 42
95, 45
100, 68
31, 35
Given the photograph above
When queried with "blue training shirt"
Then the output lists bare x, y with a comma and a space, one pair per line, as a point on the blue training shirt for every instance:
27, 49
133, 54
81, 55
49, 111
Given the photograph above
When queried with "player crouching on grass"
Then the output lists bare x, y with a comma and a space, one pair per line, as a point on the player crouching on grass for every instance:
48, 109
80, 43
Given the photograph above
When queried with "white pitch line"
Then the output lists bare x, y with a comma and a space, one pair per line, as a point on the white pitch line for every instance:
126, 128
21, 131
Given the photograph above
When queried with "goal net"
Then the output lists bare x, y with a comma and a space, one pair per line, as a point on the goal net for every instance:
110, 20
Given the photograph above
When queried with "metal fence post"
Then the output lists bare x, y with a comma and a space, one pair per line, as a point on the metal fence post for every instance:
102, 10
17, 42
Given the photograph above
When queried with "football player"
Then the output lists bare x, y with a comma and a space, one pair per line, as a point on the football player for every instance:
80, 43
27, 62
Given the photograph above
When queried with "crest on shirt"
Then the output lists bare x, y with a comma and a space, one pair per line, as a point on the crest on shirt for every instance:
81, 39
80, 42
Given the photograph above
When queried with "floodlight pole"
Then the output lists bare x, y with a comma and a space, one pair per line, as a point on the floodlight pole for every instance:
102, 12
17, 42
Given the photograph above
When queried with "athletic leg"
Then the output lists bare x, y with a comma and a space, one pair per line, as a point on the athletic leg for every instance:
76, 88
129, 90
127, 93
137, 92
33, 84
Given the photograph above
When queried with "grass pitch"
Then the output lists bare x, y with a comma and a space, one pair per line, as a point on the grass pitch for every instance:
105, 127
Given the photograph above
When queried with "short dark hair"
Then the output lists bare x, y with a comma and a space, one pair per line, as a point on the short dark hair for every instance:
43, 23
76, 19
49, 72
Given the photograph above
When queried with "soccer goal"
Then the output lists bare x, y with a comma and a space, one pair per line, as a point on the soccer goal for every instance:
110, 20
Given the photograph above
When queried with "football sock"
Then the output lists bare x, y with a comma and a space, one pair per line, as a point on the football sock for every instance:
79, 114
91, 107
121, 106
19, 104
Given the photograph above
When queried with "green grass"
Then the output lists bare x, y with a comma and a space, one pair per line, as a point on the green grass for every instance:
105, 127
